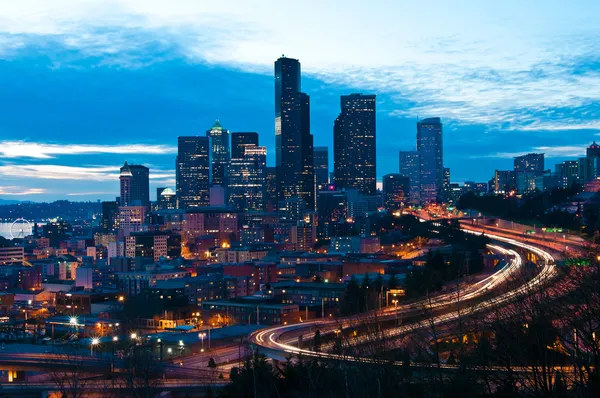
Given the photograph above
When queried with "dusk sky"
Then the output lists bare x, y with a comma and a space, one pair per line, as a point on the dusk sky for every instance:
86, 84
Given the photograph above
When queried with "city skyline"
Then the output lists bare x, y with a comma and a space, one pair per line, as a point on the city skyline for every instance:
99, 102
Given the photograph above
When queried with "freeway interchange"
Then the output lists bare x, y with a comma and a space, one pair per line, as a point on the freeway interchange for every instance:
281, 342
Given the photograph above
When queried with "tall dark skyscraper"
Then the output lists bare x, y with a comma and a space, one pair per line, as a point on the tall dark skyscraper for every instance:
239, 141
135, 185
429, 146
192, 171
354, 144
321, 162
410, 166
293, 140
219, 140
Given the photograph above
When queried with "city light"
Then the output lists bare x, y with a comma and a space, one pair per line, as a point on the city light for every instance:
73, 320
133, 336
95, 341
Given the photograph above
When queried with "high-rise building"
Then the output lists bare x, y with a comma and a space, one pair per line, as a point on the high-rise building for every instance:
110, 216
239, 141
321, 162
247, 185
504, 181
354, 144
530, 162
219, 140
135, 185
293, 140
192, 172
446, 185
271, 189
429, 146
331, 208
396, 191
410, 166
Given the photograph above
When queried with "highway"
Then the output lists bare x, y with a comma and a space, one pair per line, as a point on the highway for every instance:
271, 341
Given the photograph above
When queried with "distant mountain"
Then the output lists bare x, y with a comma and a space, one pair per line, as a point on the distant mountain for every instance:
9, 202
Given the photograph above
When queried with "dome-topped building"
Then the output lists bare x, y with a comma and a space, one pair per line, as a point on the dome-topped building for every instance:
167, 199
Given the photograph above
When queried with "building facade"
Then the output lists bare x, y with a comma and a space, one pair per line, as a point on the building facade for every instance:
354, 144
192, 172
429, 146
219, 151
293, 139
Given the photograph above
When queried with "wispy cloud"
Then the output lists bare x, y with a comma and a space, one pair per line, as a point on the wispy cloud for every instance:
565, 151
38, 150
60, 172
476, 64
89, 193
20, 191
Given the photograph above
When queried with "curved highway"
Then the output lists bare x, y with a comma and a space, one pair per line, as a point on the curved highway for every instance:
271, 341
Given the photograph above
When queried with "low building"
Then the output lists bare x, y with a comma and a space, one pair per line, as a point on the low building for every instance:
249, 310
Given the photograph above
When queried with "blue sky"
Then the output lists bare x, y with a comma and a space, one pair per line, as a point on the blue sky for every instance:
87, 84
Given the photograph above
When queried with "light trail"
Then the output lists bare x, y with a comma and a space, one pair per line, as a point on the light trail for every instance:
269, 339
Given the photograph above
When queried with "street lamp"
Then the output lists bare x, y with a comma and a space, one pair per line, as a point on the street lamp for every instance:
95, 342
201, 336
73, 320
133, 336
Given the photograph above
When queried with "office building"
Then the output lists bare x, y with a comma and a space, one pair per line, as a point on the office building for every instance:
354, 144
567, 173
293, 140
166, 200
192, 172
239, 141
430, 148
110, 216
219, 153
247, 184
533, 162
504, 181
410, 166
446, 185
321, 163
396, 191
331, 209
135, 185
271, 189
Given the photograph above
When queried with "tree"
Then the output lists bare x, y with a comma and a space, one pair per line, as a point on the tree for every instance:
317, 341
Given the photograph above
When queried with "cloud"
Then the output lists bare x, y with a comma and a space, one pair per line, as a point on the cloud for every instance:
60, 172
88, 193
19, 191
476, 64
37, 150
565, 151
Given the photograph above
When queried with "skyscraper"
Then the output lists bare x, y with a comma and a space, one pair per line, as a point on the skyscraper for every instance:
354, 144
293, 140
446, 185
321, 163
192, 171
135, 185
239, 141
219, 139
429, 146
247, 179
396, 190
410, 166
